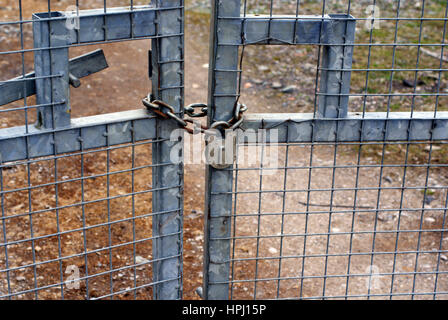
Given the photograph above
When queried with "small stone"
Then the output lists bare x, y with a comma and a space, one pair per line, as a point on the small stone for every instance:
205, 66
290, 89
257, 81
335, 230
430, 220
247, 85
388, 179
199, 292
412, 83
309, 66
37, 248
272, 250
195, 86
429, 199
20, 278
434, 148
140, 260
276, 85
444, 257
263, 68
386, 217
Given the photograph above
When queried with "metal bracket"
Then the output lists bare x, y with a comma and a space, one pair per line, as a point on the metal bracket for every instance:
79, 67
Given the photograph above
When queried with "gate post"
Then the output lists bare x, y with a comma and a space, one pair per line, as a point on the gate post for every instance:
167, 85
218, 196
51, 70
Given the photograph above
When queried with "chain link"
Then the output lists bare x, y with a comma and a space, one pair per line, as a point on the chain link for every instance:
165, 111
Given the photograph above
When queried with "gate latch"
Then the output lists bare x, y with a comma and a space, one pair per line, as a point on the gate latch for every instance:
79, 67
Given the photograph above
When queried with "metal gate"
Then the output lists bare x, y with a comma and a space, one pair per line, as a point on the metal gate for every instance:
348, 201
55, 169
325, 225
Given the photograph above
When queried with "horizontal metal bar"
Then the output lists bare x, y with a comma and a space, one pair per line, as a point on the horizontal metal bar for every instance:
302, 29
424, 126
114, 24
377, 126
94, 132
80, 67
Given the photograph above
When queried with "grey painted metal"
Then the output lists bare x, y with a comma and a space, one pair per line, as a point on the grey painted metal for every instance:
93, 131
168, 79
298, 128
291, 128
335, 32
57, 134
14, 90
120, 23
80, 67
339, 37
51, 68
229, 31
52, 37
98, 25
218, 207
285, 29
331, 123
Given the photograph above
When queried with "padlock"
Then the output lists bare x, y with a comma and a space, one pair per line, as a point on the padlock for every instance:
220, 153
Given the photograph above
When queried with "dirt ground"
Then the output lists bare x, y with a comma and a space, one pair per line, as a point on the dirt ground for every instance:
271, 220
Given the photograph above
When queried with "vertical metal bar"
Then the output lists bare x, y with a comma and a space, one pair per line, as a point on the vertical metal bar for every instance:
338, 37
83, 210
51, 67
436, 109
5, 237
397, 236
341, 108
312, 148
167, 83
218, 207
358, 163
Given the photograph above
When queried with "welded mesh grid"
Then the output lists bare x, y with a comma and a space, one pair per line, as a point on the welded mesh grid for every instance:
399, 58
17, 48
361, 219
85, 217
336, 221
79, 225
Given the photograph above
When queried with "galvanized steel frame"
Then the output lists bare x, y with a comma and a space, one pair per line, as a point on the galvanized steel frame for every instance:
332, 123
56, 133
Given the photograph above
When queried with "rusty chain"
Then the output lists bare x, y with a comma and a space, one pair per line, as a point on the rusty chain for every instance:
166, 111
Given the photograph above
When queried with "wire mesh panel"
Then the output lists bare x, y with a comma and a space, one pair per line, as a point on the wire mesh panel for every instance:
339, 190
85, 213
